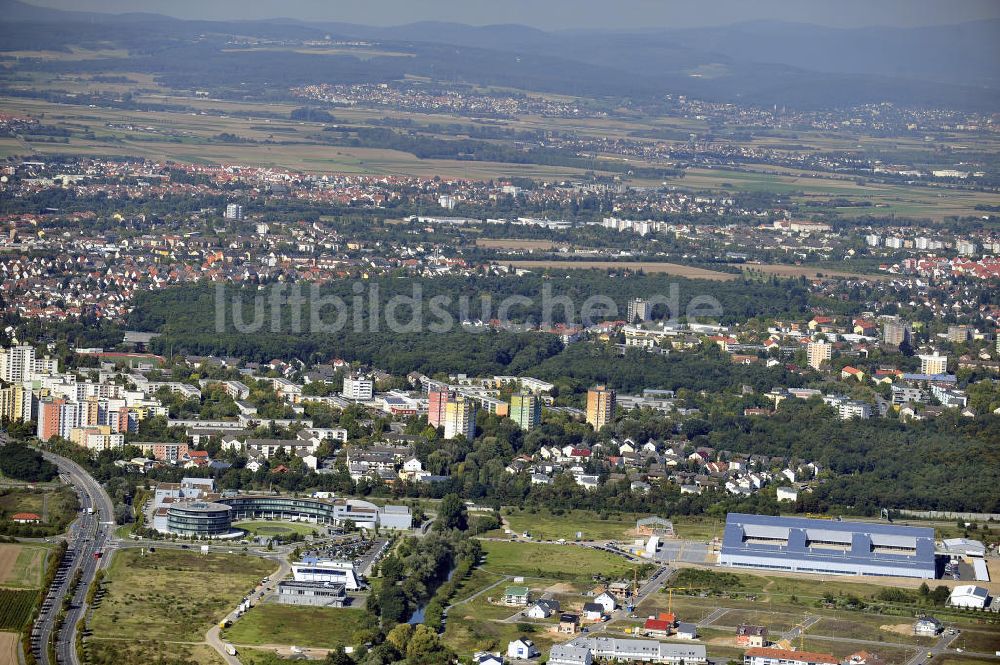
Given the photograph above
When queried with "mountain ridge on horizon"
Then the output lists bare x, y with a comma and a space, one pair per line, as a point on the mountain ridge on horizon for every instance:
761, 61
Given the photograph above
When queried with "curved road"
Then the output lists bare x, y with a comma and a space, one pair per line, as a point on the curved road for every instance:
92, 534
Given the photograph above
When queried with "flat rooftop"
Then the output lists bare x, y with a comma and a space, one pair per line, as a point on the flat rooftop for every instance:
844, 542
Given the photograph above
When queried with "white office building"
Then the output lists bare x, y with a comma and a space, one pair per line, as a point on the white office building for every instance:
358, 387
313, 569
234, 211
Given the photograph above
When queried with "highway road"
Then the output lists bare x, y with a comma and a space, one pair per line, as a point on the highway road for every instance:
91, 538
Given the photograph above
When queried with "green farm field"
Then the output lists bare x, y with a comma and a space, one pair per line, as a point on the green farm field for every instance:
21, 565
193, 137
15, 608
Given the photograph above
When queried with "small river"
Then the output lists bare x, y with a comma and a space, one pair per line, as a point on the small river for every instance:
418, 614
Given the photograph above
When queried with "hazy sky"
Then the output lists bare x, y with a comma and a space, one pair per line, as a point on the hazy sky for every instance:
555, 14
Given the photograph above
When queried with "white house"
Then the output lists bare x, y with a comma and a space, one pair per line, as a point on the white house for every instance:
788, 494
607, 601
522, 649
542, 609
687, 631
593, 611
969, 596
927, 627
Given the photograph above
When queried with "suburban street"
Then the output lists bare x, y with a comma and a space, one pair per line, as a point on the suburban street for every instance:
937, 649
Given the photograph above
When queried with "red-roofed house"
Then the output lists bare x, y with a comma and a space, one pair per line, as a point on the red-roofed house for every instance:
852, 373
657, 628
766, 656
26, 518
819, 321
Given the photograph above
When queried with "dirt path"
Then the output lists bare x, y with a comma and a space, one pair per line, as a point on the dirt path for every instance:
898, 628
286, 650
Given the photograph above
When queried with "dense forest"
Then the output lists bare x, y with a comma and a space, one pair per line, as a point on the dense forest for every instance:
20, 462
427, 147
187, 318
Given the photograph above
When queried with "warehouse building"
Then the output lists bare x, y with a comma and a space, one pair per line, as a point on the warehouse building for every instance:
827, 547
315, 594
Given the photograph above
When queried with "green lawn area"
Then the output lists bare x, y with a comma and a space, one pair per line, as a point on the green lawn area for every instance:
56, 505
261, 657
697, 527
474, 626
983, 641
320, 627
869, 628
564, 562
776, 622
277, 528
479, 579
467, 636
18, 500
957, 659
27, 568
687, 608
776, 591
140, 652
173, 594
544, 525
782, 602
842, 649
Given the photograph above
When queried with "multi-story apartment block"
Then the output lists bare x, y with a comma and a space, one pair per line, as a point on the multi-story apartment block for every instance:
895, 333
933, 364
600, 406
460, 418
526, 410
819, 352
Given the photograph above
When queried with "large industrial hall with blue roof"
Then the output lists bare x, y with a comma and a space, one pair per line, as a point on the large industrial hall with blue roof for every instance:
827, 547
